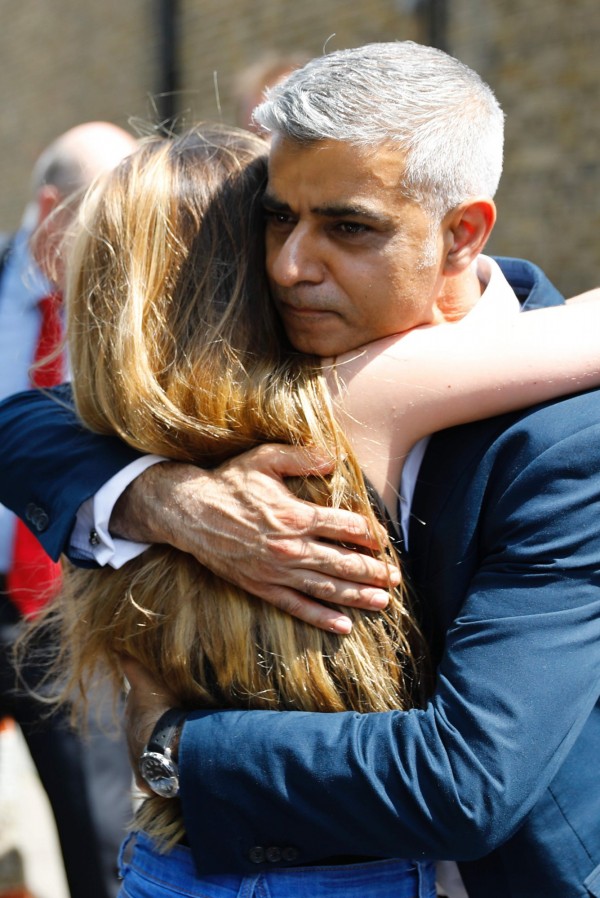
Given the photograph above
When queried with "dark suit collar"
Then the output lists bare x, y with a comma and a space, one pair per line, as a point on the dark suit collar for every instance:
451, 453
533, 289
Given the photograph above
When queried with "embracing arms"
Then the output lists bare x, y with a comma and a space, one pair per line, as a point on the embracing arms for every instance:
516, 686
389, 395
445, 375
50, 465
392, 393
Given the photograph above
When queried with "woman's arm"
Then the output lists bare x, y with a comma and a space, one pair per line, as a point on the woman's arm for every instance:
590, 295
396, 391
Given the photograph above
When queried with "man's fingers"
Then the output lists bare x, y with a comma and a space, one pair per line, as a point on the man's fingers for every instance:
341, 526
302, 604
289, 461
340, 592
337, 525
320, 616
311, 585
333, 562
289, 552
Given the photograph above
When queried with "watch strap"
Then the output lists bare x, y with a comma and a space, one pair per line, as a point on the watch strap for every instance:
166, 730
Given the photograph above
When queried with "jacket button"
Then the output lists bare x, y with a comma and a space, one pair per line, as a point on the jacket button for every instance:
41, 521
289, 854
273, 854
37, 517
257, 854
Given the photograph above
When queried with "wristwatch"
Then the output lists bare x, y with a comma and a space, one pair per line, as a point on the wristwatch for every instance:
157, 765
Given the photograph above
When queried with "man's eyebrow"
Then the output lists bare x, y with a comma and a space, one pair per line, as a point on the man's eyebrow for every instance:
351, 210
273, 204
348, 210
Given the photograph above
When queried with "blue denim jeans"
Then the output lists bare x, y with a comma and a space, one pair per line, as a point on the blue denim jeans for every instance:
148, 874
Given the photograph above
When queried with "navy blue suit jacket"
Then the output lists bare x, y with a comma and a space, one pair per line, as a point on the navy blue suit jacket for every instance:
500, 770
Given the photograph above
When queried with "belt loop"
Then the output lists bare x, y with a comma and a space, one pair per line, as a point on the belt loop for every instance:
426, 879
253, 887
126, 848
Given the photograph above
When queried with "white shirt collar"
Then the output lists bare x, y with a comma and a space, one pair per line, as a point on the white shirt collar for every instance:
498, 296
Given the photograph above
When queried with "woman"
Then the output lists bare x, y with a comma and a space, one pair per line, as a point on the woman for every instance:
175, 347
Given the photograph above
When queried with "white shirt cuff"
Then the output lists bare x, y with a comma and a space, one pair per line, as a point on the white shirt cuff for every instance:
91, 539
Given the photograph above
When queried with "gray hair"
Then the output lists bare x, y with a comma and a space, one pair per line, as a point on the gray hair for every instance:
443, 116
60, 166
74, 159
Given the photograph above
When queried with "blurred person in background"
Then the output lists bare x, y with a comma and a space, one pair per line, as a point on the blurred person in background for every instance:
88, 783
251, 83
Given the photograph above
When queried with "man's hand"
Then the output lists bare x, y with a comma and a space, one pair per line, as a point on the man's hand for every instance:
146, 701
242, 522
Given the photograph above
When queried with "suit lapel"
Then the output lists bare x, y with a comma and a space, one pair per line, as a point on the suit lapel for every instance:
532, 287
452, 454
448, 464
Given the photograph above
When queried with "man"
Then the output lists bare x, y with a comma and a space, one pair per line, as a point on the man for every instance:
383, 165
87, 783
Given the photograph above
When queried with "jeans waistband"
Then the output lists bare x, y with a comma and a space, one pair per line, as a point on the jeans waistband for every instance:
175, 872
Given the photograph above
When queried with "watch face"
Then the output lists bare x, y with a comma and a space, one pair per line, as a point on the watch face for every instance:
160, 774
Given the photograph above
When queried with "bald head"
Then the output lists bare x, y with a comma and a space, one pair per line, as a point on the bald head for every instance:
74, 159
60, 176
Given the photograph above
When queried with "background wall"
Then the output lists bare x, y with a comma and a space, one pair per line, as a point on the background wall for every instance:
138, 61
543, 61
62, 63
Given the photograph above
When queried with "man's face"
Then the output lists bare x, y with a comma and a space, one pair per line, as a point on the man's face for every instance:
350, 259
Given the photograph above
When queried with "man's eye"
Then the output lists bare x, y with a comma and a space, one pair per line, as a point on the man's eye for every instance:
277, 218
351, 227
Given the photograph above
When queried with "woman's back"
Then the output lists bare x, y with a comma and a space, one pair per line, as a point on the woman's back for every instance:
175, 347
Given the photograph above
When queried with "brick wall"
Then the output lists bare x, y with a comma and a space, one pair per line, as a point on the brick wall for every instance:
64, 62
68, 61
543, 61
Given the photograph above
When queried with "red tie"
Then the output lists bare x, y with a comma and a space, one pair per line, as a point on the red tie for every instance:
34, 578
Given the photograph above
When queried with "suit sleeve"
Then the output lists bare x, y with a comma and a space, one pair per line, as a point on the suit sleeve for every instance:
50, 463
518, 681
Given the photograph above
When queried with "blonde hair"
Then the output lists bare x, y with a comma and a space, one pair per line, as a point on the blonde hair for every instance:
175, 347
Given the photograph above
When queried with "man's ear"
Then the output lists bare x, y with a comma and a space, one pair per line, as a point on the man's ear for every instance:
467, 229
48, 198
45, 238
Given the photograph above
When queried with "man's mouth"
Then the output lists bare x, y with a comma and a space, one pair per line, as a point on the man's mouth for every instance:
301, 312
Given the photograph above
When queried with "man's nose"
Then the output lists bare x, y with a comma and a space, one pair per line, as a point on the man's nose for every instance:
296, 260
